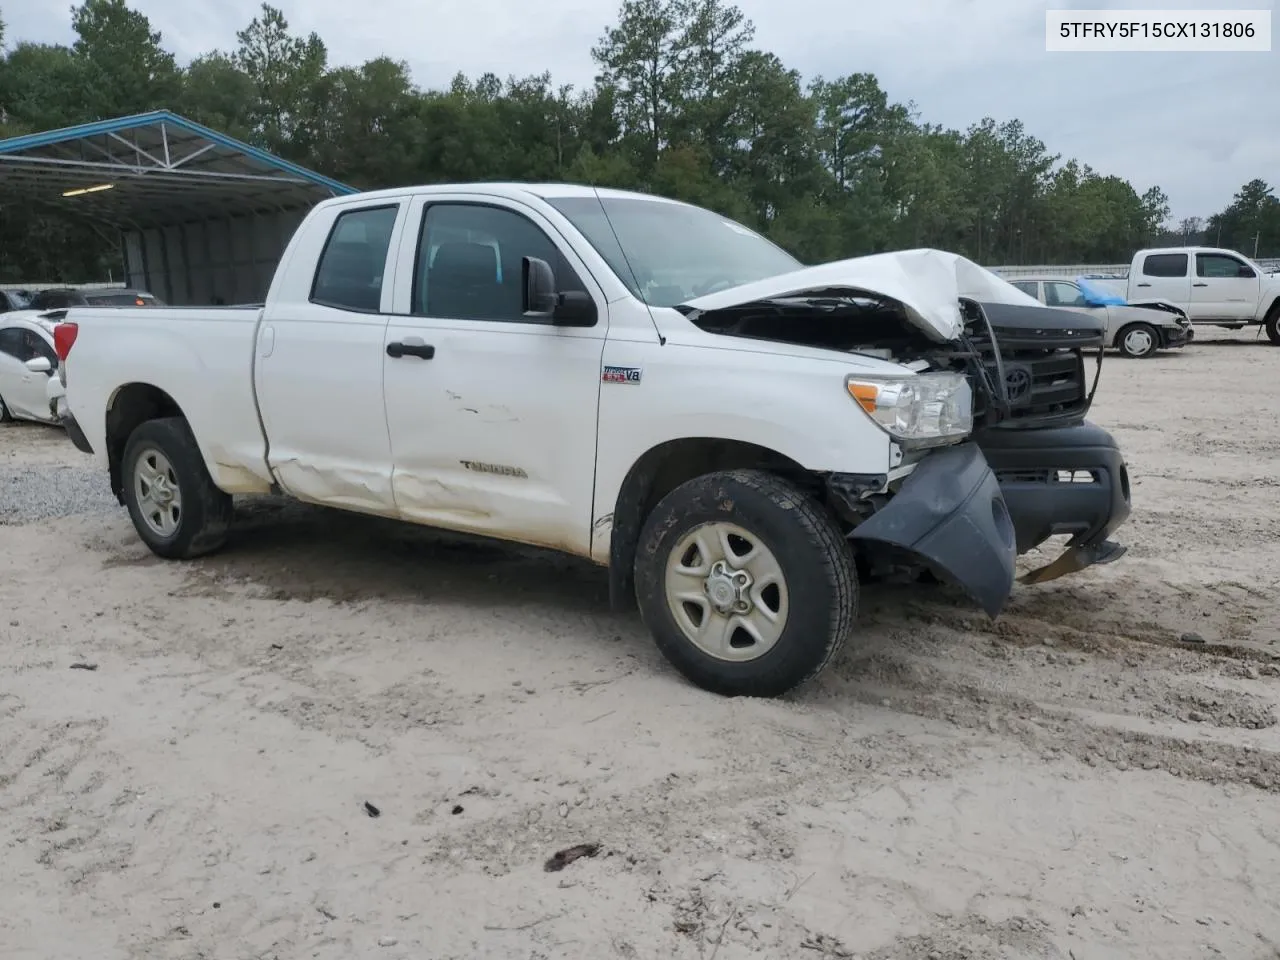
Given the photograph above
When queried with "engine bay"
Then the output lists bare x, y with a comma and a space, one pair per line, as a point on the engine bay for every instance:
1024, 363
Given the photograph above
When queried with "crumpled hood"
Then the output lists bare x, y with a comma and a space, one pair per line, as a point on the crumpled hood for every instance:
928, 283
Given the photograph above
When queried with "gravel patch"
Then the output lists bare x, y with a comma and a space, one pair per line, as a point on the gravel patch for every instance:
35, 493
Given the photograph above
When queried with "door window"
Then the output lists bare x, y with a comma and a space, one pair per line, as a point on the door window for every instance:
1219, 265
1165, 265
469, 263
13, 342
1058, 293
1028, 287
349, 274
38, 347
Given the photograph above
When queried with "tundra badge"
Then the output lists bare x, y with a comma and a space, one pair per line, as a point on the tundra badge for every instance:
621, 374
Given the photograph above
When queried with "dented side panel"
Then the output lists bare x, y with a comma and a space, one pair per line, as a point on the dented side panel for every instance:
496, 435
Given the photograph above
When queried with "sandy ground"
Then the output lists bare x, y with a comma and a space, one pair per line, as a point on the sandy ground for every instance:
1072, 781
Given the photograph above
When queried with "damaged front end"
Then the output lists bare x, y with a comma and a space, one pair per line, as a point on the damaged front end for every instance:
1032, 467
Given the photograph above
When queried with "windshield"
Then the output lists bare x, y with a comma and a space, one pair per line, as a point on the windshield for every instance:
669, 253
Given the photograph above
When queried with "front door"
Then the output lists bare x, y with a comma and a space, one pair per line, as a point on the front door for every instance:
1224, 288
1066, 295
492, 415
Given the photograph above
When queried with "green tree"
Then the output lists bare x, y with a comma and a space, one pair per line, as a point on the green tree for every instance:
684, 104
123, 67
289, 75
1250, 224
217, 92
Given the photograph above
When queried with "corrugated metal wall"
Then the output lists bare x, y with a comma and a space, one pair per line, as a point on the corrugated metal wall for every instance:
213, 261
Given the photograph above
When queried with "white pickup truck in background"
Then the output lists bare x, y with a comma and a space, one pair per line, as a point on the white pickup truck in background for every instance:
1214, 287
632, 380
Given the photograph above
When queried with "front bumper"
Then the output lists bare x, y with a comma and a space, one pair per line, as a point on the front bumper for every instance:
1172, 337
1062, 480
951, 514
968, 511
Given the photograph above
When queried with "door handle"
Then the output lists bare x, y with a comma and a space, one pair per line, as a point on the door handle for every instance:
1199, 284
396, 350
1144, 284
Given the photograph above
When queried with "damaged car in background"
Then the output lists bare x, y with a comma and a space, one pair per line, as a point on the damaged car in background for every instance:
1136, 330
738, 438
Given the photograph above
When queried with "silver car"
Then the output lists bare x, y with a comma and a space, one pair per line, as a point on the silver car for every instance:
1134, 331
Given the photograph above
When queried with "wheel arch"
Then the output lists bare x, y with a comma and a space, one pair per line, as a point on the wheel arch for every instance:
657, 472
1137, 322
128, 407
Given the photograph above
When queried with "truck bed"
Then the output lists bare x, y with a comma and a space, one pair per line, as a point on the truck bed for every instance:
200, 357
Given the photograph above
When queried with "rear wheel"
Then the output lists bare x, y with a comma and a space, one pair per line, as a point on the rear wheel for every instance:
747, 586
175, 507
1138, 340
1272, 324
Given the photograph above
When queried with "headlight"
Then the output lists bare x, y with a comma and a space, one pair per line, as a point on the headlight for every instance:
919, 410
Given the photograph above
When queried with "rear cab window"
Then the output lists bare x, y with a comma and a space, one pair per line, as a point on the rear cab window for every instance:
352, 265
1165, 265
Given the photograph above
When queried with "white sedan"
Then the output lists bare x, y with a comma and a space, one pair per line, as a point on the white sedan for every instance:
27, 363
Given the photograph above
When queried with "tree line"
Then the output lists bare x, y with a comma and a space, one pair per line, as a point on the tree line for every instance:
684, 104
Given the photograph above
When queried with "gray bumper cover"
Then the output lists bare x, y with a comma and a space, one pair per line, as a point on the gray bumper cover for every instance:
951, 514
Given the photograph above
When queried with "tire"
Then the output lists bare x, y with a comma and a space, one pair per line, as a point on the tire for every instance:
810, 588
162, 455
5, 415
1138, 341
1272, 324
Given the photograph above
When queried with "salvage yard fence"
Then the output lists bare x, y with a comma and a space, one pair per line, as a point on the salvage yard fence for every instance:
1118, 270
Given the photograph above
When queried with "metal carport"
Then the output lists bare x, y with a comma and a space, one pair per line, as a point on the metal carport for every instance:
203, 217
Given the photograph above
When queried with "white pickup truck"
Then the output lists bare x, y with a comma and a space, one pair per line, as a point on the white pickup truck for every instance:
632, 380
1214, 287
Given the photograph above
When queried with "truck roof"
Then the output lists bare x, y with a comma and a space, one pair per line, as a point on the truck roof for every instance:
508, 189
1147, 250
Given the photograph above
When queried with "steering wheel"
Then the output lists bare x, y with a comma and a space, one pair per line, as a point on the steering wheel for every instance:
711, 286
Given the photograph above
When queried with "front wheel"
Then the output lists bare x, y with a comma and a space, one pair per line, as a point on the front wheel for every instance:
175, 507
1138, 340
747, 586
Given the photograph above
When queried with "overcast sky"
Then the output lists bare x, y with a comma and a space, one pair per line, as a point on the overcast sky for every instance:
1197, 125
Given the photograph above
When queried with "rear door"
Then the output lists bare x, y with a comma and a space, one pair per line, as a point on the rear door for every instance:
492, 415
318, 372
1224, 288
1162, 276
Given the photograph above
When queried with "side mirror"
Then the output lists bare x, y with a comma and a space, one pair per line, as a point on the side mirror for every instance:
39, 365
1245, 272
539, 287
573, 308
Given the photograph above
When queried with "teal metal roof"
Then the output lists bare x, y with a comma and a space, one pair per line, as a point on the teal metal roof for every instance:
153, 169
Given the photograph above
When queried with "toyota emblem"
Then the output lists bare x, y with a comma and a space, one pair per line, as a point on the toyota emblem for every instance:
1017, 383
